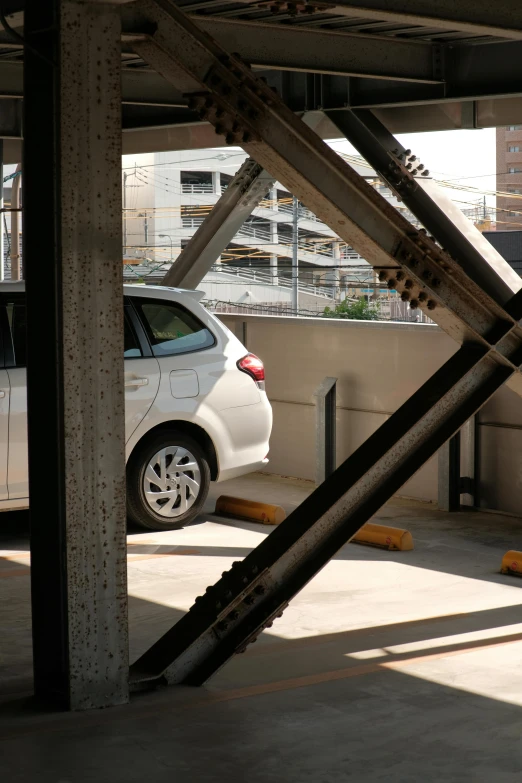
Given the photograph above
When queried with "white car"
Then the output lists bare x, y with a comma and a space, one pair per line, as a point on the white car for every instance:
195, 406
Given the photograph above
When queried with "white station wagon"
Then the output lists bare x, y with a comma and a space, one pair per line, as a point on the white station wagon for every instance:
195, 406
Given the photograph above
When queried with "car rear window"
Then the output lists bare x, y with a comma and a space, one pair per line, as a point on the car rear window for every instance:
172, 329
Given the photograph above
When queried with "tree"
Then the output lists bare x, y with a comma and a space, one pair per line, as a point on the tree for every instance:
361, 310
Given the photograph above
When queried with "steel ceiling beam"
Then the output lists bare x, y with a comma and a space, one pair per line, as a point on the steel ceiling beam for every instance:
321, 51
242, 195
477, 17
470, 301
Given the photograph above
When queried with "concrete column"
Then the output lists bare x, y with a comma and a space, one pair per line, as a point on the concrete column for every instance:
449, 475
75, 351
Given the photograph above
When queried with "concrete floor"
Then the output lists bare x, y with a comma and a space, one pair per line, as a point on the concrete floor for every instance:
392, 666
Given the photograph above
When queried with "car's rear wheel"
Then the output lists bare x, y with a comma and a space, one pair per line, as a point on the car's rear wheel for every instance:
168, 478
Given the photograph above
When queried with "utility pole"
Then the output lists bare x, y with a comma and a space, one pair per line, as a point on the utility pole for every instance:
295, 259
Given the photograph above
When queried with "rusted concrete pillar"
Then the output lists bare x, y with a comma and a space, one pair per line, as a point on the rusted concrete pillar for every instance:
73, 266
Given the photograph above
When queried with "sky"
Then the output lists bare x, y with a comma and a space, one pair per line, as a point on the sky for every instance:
466, 156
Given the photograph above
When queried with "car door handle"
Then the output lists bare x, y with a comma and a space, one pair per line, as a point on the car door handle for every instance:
137, 382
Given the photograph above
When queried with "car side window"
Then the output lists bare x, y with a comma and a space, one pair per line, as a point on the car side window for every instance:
16, 317
171, 329
18, 326
131, 347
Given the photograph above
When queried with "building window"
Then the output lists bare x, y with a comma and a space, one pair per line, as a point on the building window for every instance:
514, 190
514, 127
513, 148
514, 170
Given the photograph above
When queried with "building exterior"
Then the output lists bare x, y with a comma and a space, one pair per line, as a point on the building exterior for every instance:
509, 245
509, 177
166, 197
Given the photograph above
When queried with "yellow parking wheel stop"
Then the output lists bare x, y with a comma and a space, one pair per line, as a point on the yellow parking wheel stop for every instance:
250, 510
384, 537
512, 563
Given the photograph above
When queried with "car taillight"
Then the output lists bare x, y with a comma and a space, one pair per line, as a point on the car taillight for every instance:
253, 366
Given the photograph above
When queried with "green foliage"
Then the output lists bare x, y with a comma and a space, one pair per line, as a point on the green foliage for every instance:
361, 310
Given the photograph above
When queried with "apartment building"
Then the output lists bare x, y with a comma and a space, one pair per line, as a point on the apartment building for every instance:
509, 177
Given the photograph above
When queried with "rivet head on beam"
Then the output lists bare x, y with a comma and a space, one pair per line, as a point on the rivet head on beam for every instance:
408, 284
422, 296
426, 173
414, 303
431, 304
400, 275
427, 274
405, 296
392, 282
383, 276
435, 282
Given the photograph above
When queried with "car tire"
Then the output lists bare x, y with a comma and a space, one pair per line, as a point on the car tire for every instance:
168, 479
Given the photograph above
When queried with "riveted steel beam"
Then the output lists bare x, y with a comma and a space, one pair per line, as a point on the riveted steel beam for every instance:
243, 194
481, 311
425, 198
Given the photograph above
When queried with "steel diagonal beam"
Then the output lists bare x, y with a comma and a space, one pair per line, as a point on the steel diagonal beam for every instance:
403, 172
243, 194
235, 610
474, 305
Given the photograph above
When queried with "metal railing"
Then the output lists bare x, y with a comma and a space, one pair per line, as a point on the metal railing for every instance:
199, 187
269, 278
191, 222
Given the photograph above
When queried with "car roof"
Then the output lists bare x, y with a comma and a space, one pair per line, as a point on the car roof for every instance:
128, 289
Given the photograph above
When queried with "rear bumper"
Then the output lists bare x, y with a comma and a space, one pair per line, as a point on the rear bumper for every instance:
241, 470
248, 428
